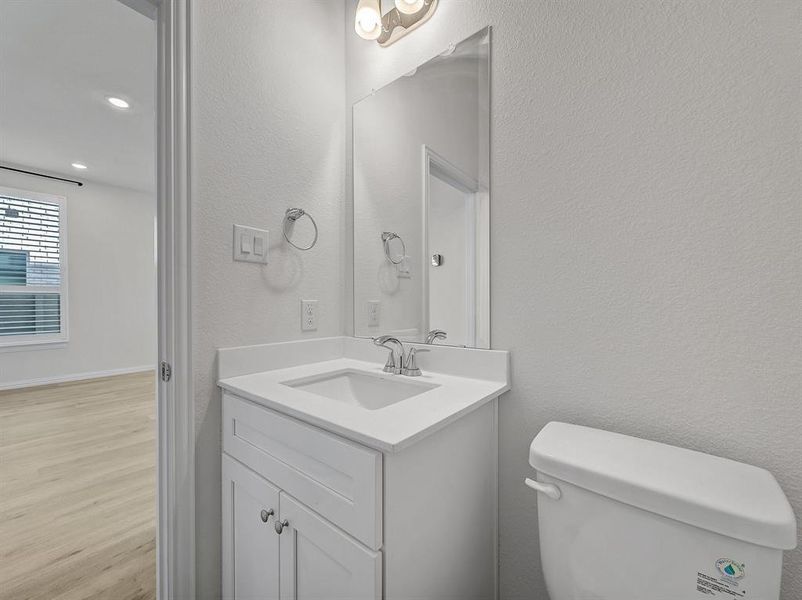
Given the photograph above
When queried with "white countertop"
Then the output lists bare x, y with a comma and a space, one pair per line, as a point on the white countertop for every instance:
389, 429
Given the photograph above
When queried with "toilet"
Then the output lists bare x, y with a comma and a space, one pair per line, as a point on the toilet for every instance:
621, 518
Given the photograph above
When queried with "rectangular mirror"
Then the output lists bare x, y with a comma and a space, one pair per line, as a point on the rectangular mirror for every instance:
422, 202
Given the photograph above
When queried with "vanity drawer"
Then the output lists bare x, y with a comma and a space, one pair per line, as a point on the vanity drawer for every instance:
336, 478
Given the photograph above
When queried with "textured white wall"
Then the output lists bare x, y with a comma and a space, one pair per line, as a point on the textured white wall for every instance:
111, 284
646, 227
268, 134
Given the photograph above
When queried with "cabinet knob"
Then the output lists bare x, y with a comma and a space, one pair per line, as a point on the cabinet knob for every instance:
266, 514
280, 525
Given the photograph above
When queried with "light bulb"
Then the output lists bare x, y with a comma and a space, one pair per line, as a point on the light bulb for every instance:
368, 21
79, 166
409, 7
118, 102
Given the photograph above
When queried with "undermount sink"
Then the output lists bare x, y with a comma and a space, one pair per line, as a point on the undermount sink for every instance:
367, 390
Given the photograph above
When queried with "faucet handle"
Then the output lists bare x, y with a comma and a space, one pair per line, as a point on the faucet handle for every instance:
389, 366
410, 365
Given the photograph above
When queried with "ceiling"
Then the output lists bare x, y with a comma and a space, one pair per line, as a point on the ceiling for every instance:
59, 60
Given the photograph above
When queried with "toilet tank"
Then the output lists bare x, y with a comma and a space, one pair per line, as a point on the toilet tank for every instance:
621, 518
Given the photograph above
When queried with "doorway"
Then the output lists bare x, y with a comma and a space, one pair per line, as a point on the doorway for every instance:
78, 300
456, 253
452, 249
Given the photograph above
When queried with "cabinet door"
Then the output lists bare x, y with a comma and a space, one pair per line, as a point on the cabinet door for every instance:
250, 543
320, 562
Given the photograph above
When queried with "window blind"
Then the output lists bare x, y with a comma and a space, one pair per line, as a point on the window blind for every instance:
30, 268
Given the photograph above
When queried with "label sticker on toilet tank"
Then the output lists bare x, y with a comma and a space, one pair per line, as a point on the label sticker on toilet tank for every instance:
726, 583
730, 569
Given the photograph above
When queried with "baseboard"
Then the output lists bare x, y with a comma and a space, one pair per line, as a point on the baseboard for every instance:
75, 377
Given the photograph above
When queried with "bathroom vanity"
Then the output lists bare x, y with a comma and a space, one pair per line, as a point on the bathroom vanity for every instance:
342, 481
350, 474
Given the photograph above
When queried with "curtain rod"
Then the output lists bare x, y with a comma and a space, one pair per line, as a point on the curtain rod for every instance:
35, 174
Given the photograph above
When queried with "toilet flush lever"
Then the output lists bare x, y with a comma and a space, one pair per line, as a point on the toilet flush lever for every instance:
551, 490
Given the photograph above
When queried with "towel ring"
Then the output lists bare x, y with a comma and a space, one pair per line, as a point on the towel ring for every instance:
292, 215
389, 236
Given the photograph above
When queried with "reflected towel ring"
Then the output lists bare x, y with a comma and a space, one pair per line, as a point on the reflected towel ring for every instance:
292, 215
387, 237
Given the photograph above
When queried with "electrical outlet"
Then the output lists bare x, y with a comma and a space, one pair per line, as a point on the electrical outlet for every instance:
308, 315
374, 311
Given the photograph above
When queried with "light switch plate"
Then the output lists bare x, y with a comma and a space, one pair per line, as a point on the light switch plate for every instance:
308, 315
251, 244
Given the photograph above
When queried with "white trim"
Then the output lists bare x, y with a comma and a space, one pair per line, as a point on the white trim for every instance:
471, 266
483, 269
14, 385
496, 499
41, 340
176, 417
30, 289
29, 345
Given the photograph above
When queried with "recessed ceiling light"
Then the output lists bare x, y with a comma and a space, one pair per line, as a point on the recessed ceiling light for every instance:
79, 166
118, 102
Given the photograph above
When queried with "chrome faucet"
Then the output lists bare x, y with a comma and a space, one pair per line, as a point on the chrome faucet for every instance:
402, 363
436, 334
410, 366
392, 365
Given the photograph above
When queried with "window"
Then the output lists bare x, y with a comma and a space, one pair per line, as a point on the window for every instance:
33, 269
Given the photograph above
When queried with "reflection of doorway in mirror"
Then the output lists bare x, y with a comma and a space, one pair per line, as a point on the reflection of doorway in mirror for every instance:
456, 254
452, 294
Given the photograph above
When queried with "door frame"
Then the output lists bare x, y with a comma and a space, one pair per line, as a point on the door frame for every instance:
176, 424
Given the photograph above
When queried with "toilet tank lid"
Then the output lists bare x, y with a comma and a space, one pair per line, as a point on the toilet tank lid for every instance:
709, 492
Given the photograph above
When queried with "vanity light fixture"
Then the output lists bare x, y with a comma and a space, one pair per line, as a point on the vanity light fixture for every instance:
118, 102
79, 166
387, 28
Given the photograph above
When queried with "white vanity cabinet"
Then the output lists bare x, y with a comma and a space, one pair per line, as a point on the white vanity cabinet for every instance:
310, 559
318, 560
249, 538
356, 523
294, 500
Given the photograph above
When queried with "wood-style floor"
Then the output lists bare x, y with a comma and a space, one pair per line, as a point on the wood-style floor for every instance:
78, 490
